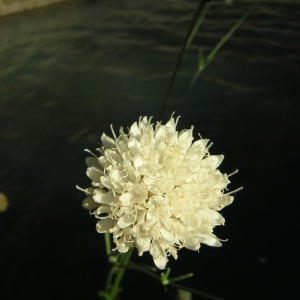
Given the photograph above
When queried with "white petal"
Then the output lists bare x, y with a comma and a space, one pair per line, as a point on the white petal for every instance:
191, 243
94, 174
122, 248
135, 131
107, 141
102, 210
166, 185
186, 136
106, 182
142, 243
171, 124
101, 196
159, 256
134, 146
210, 240
227, 199
214, 160
104, 225
167, 235
92, 162
125, 221
215, 181
160, 134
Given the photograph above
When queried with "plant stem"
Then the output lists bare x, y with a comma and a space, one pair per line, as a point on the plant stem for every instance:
219, 45
190, 35
143, 270
171, 282
107, 243
124, 260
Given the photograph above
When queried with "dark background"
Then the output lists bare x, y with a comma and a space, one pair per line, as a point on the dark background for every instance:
70, 70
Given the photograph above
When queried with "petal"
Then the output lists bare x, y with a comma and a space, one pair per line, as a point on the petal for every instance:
101, 196
89, 203
197, 150
92, 162
167, 235
214, 160
171, 124
142, 243
122, 247
159, 256
94, 174
215, 181
186, 136
160, 134
227, 199
106, 182
134, 146
210, 239
166, 185
102, 210
126, 220
107, 141
191, 242
135, 131
104, 225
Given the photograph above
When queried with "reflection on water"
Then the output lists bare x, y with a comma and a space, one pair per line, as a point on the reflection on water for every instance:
70, 70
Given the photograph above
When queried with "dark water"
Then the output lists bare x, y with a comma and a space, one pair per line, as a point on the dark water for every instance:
69, 71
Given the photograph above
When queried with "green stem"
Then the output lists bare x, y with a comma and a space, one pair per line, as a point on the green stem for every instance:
171, 281
107, 243
182, 277
219, 45
124, 260
143, 270
190, 35
231, 32
197, 25
109, 280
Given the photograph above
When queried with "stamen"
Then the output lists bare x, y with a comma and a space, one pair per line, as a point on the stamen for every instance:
83, 190
234, 172
234, 191
101, 150
200, 136
87, 150
113, 132
177, 119
115, 137
209, 145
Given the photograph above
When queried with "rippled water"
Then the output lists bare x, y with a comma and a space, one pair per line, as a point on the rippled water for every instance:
70, 70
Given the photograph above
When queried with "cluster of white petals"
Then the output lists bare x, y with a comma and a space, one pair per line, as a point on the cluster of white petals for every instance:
156, 190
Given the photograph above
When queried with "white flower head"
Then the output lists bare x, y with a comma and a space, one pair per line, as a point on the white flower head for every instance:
156, 190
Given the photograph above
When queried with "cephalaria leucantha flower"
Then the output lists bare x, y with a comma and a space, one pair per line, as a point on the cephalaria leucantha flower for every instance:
157, 190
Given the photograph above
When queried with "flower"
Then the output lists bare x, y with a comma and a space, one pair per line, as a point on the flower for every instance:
156, 190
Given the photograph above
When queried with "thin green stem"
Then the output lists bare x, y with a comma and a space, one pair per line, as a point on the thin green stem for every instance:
107, 243
231, 32
172, 280
190, 35
109, 279
143, 270
197, 26
205, 62
182, 277
124, 260
165, 277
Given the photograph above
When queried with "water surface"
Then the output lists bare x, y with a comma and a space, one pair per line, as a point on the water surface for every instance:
70, 70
